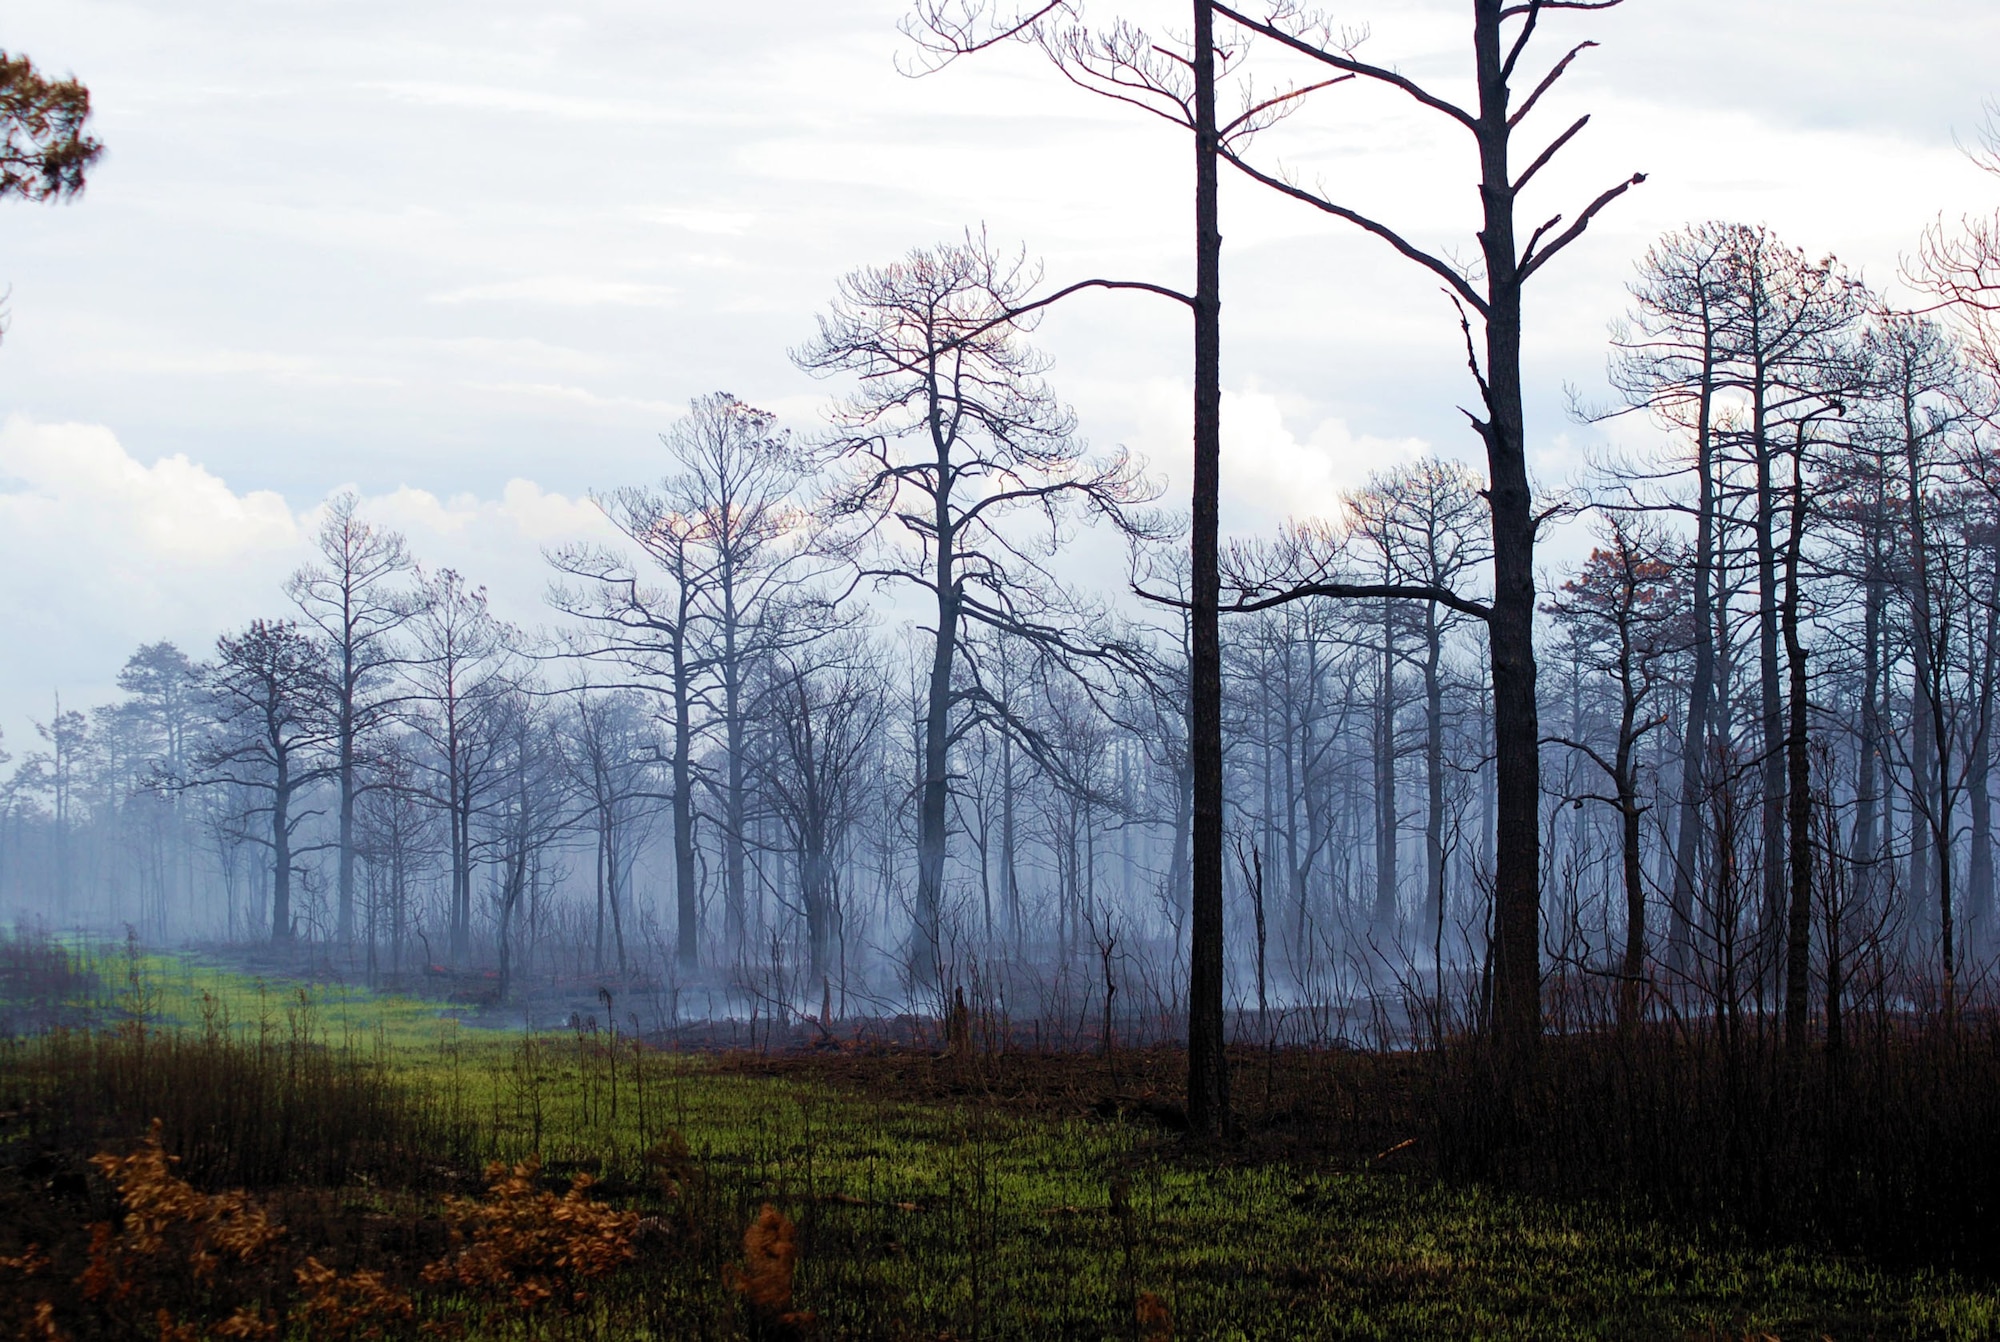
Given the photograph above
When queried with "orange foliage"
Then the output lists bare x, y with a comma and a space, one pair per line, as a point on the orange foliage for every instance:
248, 1323
1155, 1323
178, 1261
529, 1246
210, 1230
41, 1325
358, 1305
770, 1254
173, 1234
170, 1331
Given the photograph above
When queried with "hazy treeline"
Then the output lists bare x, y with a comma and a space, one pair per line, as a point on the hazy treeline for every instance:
832, 722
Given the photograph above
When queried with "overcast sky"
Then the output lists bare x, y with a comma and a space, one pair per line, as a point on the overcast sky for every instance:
469, 258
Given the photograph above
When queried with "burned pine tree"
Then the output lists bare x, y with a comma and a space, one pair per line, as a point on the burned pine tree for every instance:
1502, 35
960, 467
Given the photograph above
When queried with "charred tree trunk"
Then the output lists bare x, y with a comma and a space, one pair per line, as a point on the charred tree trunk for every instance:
1701, 687
1385, 779
1208, 1064
734, 808
1632, 972
1798, 778
1517, 973
344, 780
281, 849
1433, 775
1010, 876
687, 909
1865, 845
1771, 701
931, 815
1979, 863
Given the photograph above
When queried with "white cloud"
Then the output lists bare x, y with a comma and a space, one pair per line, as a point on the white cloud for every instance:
70, 487
522, 102
1268, 467
101, 552
1271, 472
723, 222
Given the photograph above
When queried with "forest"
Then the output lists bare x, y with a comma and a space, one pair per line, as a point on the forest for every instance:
1619, 841
1768, 705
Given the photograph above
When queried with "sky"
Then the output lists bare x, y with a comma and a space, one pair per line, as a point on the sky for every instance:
469, 259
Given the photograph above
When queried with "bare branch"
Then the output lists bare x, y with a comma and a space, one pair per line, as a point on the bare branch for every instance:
1529, 265
1247, 603
1584, 748
1122, 64
1351, 66
1471, 353
948, 29
1554, 148
1520, 43
1548, 82
1436, 265
1516, 11
1280, 99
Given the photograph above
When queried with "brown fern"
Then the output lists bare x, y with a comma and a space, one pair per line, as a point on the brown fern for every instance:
528, 1247
360, 1305
248, 1323
41, 1325
166, 1218
770, 1256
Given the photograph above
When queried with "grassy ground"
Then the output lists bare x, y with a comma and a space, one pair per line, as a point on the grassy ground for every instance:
930, 1202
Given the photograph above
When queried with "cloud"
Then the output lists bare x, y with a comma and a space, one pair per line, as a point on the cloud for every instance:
1271, 472
564, 291
68, 488
102, 552
524, 102
1268, 467
463, 246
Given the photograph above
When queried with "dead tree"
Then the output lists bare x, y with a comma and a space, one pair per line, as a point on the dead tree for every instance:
647, 620
1176, 81
272, 697
1667, 361
1502, 31
1624, 614
457, 660
1426, 523
825, 717
950, 433
738, 481
350, 595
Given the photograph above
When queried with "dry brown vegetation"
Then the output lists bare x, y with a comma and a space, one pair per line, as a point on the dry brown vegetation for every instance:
525, 1247
291, 1188
764, 1279
191, 1265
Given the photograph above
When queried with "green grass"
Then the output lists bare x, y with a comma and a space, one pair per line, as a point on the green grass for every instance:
187, 991
927, 1219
